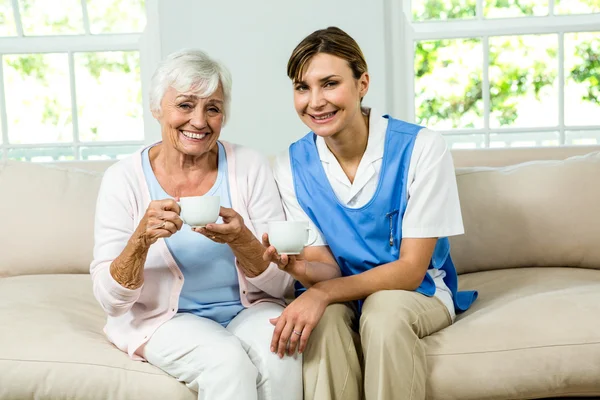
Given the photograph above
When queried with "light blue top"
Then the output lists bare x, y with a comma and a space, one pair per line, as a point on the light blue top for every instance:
211, 287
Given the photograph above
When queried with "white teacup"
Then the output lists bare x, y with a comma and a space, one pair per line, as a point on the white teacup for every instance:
198, 211
290, 237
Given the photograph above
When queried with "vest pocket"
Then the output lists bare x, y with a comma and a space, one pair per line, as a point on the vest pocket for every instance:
392, 217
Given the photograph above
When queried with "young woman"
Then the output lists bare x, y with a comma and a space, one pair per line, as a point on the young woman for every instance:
382, 193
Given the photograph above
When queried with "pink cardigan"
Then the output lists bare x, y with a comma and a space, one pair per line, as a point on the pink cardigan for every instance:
134, 315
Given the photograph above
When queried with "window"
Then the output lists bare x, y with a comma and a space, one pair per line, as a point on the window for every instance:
70, 79
506, 73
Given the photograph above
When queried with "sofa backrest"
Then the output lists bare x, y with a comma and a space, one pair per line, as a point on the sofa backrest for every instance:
46, 218
542, 213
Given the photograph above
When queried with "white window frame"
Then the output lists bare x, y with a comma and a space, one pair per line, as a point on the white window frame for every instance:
69, 44
403, 33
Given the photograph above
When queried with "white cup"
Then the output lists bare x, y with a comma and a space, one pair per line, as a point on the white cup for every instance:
290, 237
198, 211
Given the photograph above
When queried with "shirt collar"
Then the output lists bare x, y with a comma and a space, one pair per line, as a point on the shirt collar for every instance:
375, 145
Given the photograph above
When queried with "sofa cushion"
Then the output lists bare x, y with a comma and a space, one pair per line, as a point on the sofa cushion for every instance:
542, 213
52, 346
47, 216
532, 333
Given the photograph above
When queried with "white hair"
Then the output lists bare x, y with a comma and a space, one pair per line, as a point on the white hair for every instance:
186, 70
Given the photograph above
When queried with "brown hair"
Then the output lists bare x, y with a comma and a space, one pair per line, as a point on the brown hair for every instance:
332, 41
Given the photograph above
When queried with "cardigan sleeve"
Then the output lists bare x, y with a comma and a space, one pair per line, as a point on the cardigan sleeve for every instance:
114, 225
263, 205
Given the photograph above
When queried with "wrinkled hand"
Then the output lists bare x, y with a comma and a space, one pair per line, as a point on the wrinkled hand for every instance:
160, 221
297, 322
294, 265
227, 232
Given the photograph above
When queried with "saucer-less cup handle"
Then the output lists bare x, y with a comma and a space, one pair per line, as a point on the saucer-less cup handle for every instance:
314, 239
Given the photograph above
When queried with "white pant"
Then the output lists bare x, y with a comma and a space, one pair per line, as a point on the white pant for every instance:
227, 363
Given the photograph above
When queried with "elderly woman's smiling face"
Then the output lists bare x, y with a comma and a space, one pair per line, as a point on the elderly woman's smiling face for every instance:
191, 124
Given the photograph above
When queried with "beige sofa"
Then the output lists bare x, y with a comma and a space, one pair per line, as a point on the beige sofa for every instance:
532, 249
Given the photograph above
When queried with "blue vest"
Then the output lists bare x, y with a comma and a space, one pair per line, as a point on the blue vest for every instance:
369, 236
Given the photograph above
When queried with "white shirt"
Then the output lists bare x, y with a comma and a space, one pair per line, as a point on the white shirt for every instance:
433, 208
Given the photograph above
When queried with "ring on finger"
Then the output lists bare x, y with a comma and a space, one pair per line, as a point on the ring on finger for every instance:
297, 333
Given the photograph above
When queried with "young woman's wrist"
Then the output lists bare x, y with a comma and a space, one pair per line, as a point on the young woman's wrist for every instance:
320, 289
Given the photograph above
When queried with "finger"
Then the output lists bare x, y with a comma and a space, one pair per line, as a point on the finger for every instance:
168, 216
170, 205
208, 234
304, 338
160, 234
227, 212
265, 240
222, 229
282, 260
271, 254
277, 333
178, 222
158, 225
297, 333
170, 226
284, 338
273, 321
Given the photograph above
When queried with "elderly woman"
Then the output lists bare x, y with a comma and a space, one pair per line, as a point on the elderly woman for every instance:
196, 303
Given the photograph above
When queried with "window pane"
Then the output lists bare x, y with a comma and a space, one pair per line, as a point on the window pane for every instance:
576, 6
116, 16
39, 110
43, 17
443, 9
582, 138
7, 19
582, 81
523, 80
512, 8
465, 141
448, 83
531, 139
107, 152
48, 154
109, 98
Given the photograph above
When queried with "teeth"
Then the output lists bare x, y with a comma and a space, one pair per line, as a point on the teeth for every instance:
194, 135
324, 116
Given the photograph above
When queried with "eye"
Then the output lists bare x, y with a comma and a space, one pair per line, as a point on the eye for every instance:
301, 88
185, 106
213, 110
330, 84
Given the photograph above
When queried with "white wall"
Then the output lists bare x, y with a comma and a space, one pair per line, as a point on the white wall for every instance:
254, 39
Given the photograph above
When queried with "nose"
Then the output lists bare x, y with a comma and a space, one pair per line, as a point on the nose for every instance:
316, 99
198, 118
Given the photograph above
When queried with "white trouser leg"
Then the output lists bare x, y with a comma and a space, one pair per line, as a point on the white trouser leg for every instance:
279, 379
204, 355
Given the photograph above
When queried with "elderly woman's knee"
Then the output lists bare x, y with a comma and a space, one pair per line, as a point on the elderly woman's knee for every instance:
231, 357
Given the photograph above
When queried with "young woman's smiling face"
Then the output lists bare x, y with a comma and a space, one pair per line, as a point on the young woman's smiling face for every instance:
327, 96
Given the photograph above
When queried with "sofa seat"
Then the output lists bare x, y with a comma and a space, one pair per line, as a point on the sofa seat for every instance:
532, 333
52, 346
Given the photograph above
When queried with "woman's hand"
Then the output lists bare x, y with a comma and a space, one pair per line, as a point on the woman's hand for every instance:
229, 231
293, 265
160, 221
245, 246
297, 322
